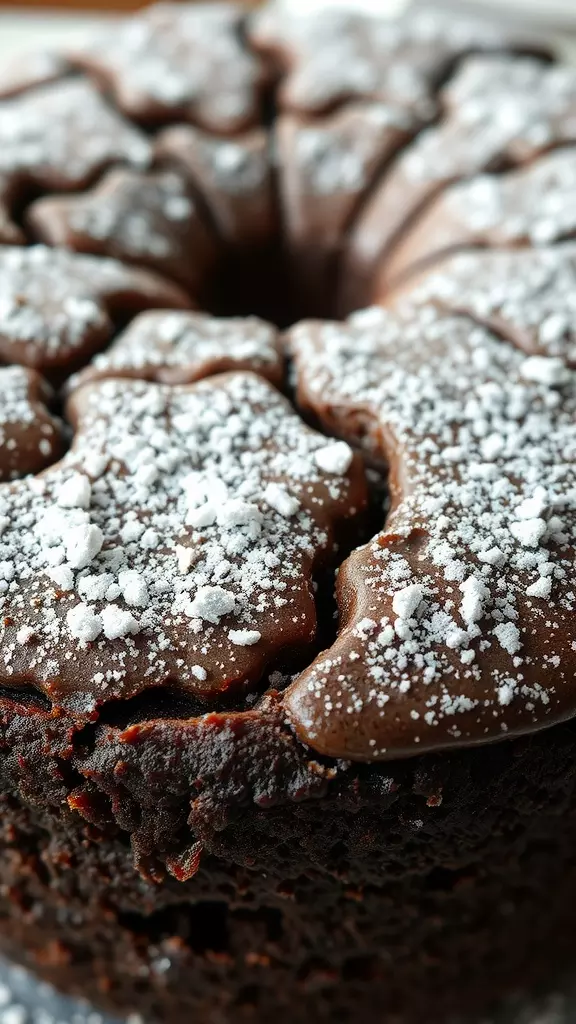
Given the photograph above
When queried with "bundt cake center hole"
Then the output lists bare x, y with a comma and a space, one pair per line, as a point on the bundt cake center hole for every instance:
260, 283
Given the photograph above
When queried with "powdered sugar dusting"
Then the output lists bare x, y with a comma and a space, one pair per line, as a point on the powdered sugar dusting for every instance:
531, 206
332, 55
184, 59
30, 438
54, 304
25, 71
161, 548
499, 110
179, 347
459, 617
60, 135
151, 220
527, 295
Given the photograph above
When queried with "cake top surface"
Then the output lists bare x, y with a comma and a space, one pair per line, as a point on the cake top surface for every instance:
333, 55
30, 437
460, 623
527, 295
55, 304
181, 59
151, 219
190, 536
66, 129
174, 347
174, 544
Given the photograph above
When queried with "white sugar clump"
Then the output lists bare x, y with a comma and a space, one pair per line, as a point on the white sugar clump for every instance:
83, 623
546, 370
334, 458
117, 622
508, 636
278, 498
133, 587
75, 492
528, 532
244, 637
475, 594
83, 543
212, 604
62, 576
407, 601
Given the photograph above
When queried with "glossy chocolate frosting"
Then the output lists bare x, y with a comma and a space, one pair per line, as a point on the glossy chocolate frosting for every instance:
188, 160
457, 621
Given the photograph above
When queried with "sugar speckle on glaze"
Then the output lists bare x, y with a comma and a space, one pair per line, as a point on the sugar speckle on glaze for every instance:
181, 530
528, 295
454, 615
151, 220
59, 136
30, 437
499, 111
185, 60
54, 304
333, 55
177, 347
527, 206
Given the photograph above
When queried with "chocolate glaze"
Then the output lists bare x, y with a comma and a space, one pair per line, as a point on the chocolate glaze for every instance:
59, 308
182, 347
349, 174
173, 545
151, 220
457, 620
30, 437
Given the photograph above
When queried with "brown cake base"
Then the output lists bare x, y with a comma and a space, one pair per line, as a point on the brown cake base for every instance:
403, 892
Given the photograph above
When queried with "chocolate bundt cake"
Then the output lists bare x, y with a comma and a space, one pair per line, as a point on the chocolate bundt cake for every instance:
288, 517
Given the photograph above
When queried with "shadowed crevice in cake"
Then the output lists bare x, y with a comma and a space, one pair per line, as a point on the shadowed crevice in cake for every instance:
203, 927
25, 696
349, 910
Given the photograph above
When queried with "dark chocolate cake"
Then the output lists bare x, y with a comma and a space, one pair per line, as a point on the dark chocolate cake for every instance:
288, 612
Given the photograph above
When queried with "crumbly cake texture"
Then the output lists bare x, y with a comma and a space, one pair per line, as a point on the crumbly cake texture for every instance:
286, 617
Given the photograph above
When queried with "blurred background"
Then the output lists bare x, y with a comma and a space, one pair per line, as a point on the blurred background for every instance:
40, 24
